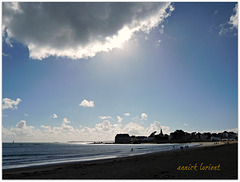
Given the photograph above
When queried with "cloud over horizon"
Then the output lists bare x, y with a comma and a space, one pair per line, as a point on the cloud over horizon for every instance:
78, 30
119, 119
65, 132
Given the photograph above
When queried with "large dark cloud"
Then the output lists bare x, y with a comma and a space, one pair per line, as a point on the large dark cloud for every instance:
78, 30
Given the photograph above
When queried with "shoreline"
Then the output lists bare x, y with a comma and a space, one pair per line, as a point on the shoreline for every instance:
90, 169
96, 159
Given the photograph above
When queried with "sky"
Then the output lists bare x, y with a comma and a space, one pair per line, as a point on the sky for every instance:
87, 71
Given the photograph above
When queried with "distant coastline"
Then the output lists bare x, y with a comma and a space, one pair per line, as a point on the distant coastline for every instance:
179, 136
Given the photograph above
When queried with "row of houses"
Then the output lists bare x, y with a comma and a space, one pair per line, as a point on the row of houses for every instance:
180, 135
125, 138
177, 136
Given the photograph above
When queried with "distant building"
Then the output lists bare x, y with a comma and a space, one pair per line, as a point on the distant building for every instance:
186, 137
225, 134
232, 135
134, 139
122, 138
161, 133
161, 138
141, 138
206, 136
148, 139
176, 136
214, 138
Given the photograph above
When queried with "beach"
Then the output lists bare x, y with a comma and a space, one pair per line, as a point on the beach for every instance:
208, 161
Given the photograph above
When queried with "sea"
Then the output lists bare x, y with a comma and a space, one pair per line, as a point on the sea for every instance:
19, 155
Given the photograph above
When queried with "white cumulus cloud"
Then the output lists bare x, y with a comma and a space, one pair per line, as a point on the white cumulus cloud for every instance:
86, 103
105, 117
232, 24
78, 29
21, 124
234, 17
105, 126
119, 119
10, 104
55, 116
126, 114
22, 130
144, 116
65, 120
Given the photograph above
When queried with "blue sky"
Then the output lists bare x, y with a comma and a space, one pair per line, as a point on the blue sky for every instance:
178, 73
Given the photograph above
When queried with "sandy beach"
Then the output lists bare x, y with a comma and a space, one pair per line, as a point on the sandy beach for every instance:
208, 161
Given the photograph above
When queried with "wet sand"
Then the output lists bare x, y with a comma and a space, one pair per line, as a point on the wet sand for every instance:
221, 158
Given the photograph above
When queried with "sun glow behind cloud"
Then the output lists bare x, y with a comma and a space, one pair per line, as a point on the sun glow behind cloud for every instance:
82, 38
